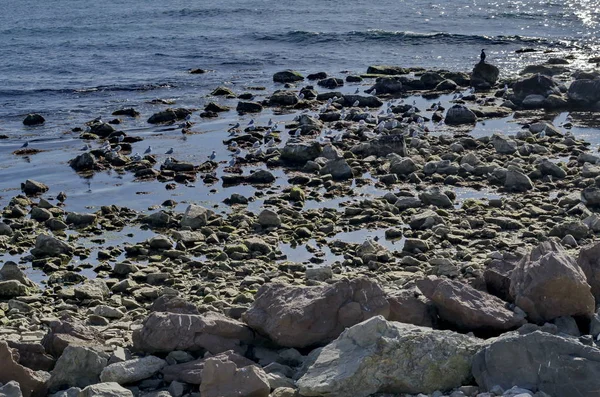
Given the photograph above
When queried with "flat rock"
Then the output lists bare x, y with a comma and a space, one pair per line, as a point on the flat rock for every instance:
131, 371
221, 377
78, 366
107, 389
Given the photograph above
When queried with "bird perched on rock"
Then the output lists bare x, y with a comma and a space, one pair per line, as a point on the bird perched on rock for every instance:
136, 157
25, 145
213, 155
482, 56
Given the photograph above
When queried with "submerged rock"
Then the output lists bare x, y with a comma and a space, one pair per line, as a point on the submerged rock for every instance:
34, 119
287, 76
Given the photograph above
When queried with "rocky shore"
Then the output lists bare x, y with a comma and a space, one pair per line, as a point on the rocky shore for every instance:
439, 292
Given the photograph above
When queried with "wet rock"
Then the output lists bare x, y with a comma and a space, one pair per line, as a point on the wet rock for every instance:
517, 182
416, 245
79, 219
404, 203
503, 144
402, 166
387, 69
484, 75
12, 289
287, 76
260, 177
467, 308
388, 85
539, 361
78, 366
32, 188
358, 363
459, 114
5, 230
435, 196
32, 383
169, 115
547, 167
34, 119
216, 107
268, 218
83, 162
131, 112
286, 313
131, 371
317, 76
591, 196
160, 242
40, 214
406, 306
363, 101
425, 220
223, 91
11, 271
46, 245
196, 216
103, 130
547, 283
430, 80
248, 107
221, 377
533, 101
584, 92
166, 332
534, 85
331, 83
107, 389
338, 169
283, 98
301, 152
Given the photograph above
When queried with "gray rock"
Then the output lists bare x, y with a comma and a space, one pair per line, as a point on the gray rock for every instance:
248, 107
169, 116
221, 377
338, 169
84, 162
46, 245
459, 114
484, 75
388, 85
107, 389
382, 146
11, 389
12, 289
166, 332
285, 313
539, 361
517, 182
11, 271
301, 152
380, 356
504, 145
161, 242
435, 196
191, 371
77, 219
403, 166
78, 366
283, 98
196, 216
268, 218
131, 371
547, 283
287, 76
584, 92
32, 188
5, 230
534, 101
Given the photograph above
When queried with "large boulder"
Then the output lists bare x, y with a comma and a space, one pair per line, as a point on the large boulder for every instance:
165, 332
32, 188
503, 145
534, 85
131, 371
388, 85
363, 101
84, 162
484, 75
221, 377
32, 383
539, 361
68, 331
381, 356
584, 92
301, 152
78, 366
547, 283
34, 119
248, 107
469, 309
295, 316
589, 262
283, 98
410, 307
46, 245
387, 70
460, 114
169, 115
287, 76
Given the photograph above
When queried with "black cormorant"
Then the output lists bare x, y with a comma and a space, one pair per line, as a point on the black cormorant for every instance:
482, 56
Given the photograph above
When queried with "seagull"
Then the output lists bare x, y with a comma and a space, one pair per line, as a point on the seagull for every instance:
25, 145
251, 123
357, 91
338, 137
374, 92
116, 149
170, 151
149, 150
256, 145
213, 155
297, 132
271, 143
270, 123
85, 148
237, 152
356, 103
233, 144
232, 162
136, 157
120, 138
237, 125
435, 107
301, 96
105, 146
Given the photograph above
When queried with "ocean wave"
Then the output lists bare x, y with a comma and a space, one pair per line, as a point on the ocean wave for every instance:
402, 37
86, 90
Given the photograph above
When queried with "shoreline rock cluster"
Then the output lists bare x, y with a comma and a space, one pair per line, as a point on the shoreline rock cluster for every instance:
482, 297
